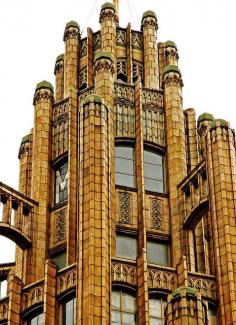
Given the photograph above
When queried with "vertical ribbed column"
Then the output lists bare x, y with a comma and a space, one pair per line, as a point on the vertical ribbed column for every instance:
221, 169
14, 311
50, 293
176, 152
142, 292
71, 39
41, 177
191, 138
90, 57
150, 50
94, 272
203, 124
59, 78
25, 157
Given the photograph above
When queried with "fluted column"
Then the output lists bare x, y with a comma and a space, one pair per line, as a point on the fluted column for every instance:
191, 138
150, 50
59, 76
221, 171
176, 152
71, 64
41, 176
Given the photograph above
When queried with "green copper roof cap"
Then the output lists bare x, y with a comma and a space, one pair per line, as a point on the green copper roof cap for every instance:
170, 44
177, 291
103, 55
220, 121
205, 117
44, 84
171, 68
93, 98
60, 57
72, 23
108, 5
25, 139
149, 13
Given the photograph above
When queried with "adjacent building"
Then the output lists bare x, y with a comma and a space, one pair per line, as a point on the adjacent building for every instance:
125, 212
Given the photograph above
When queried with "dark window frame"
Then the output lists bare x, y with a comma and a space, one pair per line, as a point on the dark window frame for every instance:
131, 292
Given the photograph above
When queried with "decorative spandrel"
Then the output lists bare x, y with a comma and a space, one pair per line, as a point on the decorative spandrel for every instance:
125, 200
60, 219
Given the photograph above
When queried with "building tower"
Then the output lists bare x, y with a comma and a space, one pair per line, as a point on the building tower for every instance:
125, 212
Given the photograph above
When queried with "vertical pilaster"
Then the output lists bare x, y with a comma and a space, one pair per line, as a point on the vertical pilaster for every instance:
191, 138
142, 292
176, 153
59, 78
221, 168
50, 293
94, 272
71, 39
25, 156
150, 50
90, 79
15, 288
129, 55
41, 177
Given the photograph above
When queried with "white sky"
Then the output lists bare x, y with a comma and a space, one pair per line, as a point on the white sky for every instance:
31, 37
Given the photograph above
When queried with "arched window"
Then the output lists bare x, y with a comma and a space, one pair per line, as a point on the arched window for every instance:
154, 176
123, 308
69, 312
157, 311
124, 165
36, 320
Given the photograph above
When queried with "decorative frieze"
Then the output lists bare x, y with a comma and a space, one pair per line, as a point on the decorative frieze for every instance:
104, 64
149, 21
71, 32
33, 295
43, 94
84, 93
121, 37
159, 278
156, 213
60, 218
124, 92
125, 273
66, 279
173, 79
125, 200
152, 99
108, 13
83, 47
205, 285
137, 40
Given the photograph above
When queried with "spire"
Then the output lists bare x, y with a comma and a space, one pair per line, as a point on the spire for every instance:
116, 4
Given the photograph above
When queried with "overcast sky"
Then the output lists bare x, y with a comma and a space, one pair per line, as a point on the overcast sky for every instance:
31, 38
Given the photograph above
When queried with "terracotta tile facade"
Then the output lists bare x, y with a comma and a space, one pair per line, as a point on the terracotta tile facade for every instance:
157, 228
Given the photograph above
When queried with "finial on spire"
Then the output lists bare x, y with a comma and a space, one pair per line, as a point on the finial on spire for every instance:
116, 4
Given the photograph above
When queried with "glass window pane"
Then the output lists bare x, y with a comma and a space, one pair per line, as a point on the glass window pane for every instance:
115, 299
128, 302
153, 157
115, 317
124, 152
126, 247
155, 307
33, 321
124, 166
125, 180
61, 182
60, 260
158, 253
40, 319
154, 185
68, 313
128, 319
153, 171
156, 321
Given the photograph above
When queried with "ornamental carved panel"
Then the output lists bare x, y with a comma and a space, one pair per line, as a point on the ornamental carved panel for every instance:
60, 218
125, 200
34, 295
156, 213
66, 280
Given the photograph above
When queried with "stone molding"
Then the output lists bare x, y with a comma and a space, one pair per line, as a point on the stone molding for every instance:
148, 22
104, 64
108, 14
71, 32
172, 78
43, 95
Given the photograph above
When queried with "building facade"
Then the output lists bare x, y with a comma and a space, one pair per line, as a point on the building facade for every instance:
125, 212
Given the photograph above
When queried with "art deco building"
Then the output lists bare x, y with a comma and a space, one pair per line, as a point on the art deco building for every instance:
126, 206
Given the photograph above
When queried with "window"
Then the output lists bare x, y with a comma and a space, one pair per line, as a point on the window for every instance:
124, 164
60, 260
126, 247
61, 175
69, 312
158, 253
157, 311
123, 308
36, 320
154, 171
212, 314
